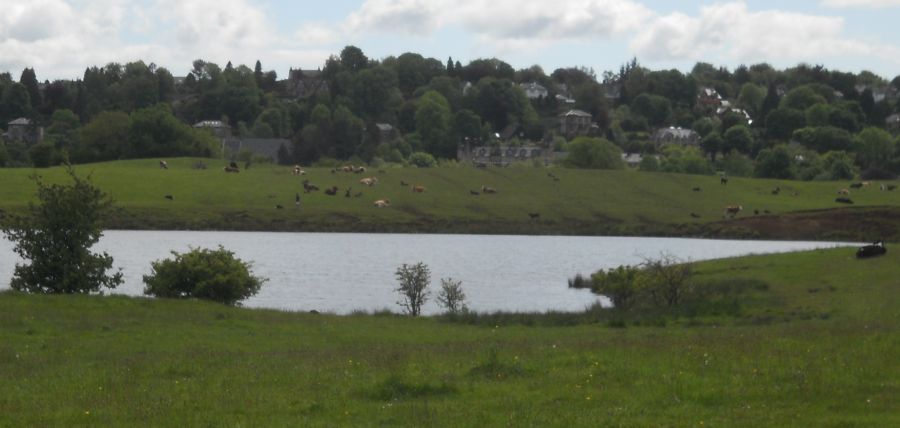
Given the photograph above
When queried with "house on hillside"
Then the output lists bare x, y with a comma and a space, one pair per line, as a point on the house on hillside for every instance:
675, 135
218, 128
260, 147
482, 156
386, 132
24, 130
709, 97
534, 90
892, 123
305, 83
576, 122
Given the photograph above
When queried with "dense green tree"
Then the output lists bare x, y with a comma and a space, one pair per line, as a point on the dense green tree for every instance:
751, 98
155, 132
433, 124
55, 237
711, 144
480, 68
467, 125
353, 59
783, 121
593, 153
14, 103
838, 165
414, 71
825, 138
375, 93
774, 162
104, 138
874, 148
653, 107
29, 80
347, 133
685, 160
802, 98
737, 138
63, 130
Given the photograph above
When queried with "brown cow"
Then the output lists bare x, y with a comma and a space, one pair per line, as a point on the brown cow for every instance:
843, 192
486, 189
382, 203
309, 187
732, 210
418, 189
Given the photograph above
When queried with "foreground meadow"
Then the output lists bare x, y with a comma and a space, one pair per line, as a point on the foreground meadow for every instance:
816, 347
589, 202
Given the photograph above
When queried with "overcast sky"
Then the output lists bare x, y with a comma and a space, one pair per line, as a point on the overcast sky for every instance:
60, 38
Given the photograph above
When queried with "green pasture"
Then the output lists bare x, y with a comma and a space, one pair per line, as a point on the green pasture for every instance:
817, 347
580, 201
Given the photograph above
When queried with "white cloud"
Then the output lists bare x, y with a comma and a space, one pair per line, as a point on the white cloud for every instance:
503, 21
861, 3
731, 31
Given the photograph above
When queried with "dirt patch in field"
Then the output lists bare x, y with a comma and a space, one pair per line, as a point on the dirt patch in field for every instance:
865, 224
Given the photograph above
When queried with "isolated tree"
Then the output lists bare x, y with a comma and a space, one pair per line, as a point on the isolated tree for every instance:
667, 280
413, 288
55, 237
451, 297
774, 162
593, 153
203, 274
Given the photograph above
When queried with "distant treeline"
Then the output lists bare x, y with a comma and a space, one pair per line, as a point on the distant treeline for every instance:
801, 122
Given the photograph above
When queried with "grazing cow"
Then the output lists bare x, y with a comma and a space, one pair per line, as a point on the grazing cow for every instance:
347, 168
278, 207
347, 193
872, 250
732, 210
233, 164
486, 189
844, 192
298, 171
723, 180
331, 191
843, 200
231, 169
696, 189
382, 203
163, 164
856, 185
170, 197
360, 170
474, 193
309, 187
755, 212
369, 181
534, 216
418, 189
695, 215
403, 183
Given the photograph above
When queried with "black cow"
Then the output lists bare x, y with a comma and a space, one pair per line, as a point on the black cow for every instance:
843, 200
872, 250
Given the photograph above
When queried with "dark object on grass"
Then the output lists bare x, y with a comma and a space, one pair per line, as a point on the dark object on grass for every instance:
534, 216
170, 197
843, 200
474, 193
872, 250
695, 215
856, 185
696, 189
347, 193
723, 180
278, 207
331, 191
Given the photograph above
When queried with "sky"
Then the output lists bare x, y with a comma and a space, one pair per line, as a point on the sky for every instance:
60, 38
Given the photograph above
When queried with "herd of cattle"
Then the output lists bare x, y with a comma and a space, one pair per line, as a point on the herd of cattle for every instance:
730, 211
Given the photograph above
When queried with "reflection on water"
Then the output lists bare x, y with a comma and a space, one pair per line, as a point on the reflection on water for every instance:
342, 272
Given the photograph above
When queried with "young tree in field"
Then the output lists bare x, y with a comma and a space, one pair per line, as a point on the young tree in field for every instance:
451, 297
413, 288
55, 238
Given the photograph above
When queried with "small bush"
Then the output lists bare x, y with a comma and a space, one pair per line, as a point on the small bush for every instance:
422, 160
451, 297
413, 287
204, 274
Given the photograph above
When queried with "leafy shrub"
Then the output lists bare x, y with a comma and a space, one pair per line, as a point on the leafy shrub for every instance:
204, 274
451, 297
619, 284
422, 160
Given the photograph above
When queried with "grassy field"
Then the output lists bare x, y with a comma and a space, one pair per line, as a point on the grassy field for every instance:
818, 347
579, 202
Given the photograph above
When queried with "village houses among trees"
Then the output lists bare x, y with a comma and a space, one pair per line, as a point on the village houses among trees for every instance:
827, 124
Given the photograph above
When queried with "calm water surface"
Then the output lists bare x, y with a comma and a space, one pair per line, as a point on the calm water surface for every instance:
342, 272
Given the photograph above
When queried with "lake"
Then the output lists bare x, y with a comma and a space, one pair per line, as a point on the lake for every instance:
343, 272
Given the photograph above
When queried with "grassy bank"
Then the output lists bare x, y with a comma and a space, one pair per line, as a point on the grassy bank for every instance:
578, 202
816, 347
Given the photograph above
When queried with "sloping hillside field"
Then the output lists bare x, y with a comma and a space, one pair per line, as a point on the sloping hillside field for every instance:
528, 200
